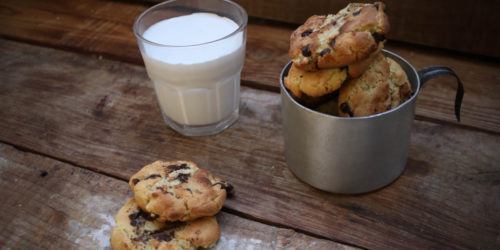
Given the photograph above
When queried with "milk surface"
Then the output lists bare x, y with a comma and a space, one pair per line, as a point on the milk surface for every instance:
196, 80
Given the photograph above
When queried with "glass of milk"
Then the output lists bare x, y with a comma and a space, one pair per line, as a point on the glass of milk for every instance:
194, 51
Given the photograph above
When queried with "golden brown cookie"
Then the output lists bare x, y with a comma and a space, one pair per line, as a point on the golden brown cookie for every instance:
383, 86
178, 190
358, 68
333, 41
310, 87
399, 84
368, 94
136, 229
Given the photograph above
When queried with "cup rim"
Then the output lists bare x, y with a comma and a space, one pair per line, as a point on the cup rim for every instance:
393, 55
144, 13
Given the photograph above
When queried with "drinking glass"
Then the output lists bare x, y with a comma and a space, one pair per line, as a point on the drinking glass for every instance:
197, 85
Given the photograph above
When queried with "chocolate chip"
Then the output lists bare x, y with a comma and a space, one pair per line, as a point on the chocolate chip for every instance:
183, 177
165, 233
376, 6
135, 220
228, 187
306, 51
332, 43
306, 33
356, 13
163, 236
139, 218
378, 37
324, 52
135, 181
334, 23
178, 167
345, 108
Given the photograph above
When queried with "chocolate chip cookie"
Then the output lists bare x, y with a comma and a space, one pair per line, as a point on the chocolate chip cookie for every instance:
332, 41
136, 229
178, 190
383, 86
309, 88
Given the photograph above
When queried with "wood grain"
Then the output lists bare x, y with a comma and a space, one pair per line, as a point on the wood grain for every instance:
450, 24
102, 115
96, 27
50, 204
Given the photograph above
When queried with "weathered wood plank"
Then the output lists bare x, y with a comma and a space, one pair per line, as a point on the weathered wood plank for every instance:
426, 22
102, 115
49, 204
96, 27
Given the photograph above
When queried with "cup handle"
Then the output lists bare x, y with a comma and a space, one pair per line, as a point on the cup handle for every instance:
430, 72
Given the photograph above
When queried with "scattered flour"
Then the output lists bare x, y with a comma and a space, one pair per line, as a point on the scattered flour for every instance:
94, 230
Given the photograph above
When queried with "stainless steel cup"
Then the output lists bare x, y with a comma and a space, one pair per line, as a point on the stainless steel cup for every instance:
352, 155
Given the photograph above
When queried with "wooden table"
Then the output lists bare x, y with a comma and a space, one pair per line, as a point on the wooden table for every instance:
79, 117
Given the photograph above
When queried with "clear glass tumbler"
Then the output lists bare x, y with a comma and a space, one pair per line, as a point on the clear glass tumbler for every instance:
194, 61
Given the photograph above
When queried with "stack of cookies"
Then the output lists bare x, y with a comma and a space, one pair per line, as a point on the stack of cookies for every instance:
340, 55
174, 207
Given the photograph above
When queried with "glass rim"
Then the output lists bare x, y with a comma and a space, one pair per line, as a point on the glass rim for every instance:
240, 28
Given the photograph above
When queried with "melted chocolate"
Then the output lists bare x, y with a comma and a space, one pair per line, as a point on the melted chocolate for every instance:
324, 52
183, 177
139, 218
306, 33
345, 108
378, 37
178, 167
306, 51
163, 236
135, 181
228, 187
332, 43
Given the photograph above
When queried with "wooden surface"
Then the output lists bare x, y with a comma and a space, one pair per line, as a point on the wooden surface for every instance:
112, 126
44, 212
75, 99
96, 27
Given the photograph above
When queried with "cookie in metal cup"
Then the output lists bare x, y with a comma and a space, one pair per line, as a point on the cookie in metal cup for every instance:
352, 155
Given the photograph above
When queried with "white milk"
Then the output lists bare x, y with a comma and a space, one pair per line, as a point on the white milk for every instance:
195, 85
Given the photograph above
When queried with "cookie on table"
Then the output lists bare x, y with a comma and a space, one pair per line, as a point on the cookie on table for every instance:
136, 229
383, 86
332, 41
178, 190
309, 88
